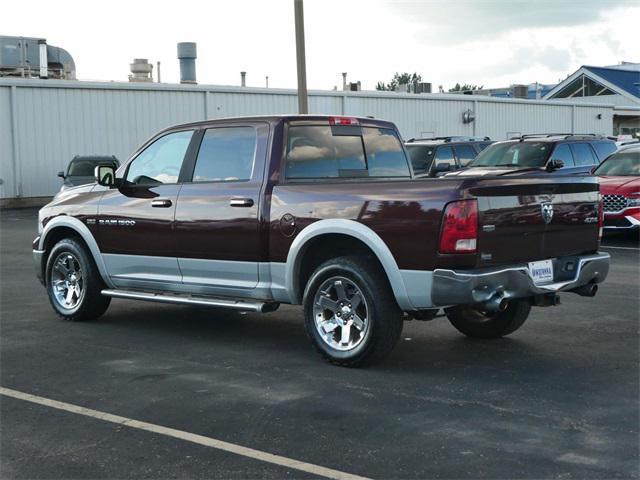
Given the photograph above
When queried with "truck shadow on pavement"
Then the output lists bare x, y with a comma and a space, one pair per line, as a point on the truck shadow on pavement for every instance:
279, 338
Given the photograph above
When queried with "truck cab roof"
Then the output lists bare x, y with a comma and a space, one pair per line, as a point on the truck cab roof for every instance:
363, 121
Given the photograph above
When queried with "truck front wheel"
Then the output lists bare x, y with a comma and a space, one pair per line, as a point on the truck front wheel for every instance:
351, 315
73, 282
478, 323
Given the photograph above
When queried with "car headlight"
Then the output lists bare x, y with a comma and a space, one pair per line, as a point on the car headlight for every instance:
633, 200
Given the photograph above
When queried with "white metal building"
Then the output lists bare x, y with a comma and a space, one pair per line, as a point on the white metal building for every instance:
45, 123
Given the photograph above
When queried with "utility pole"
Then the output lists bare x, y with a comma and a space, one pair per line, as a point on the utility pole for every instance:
303, 104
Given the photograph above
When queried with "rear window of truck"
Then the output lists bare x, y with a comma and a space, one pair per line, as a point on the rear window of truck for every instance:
315, 152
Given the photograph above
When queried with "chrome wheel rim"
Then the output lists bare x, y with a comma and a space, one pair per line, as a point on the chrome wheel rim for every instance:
340, 313
67, 281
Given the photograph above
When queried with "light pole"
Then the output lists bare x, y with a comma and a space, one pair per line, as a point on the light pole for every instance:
303, 104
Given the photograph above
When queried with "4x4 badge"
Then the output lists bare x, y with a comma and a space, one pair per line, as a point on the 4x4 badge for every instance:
547, 212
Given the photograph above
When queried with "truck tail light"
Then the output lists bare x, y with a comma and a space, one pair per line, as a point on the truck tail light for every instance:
343, 121
459, 233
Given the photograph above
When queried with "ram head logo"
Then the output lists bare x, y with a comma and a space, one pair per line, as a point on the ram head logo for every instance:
547, 212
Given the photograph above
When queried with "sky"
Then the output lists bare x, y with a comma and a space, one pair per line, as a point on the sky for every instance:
494, 43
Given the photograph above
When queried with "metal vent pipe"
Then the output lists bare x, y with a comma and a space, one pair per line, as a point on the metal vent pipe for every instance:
187, 55
44, 61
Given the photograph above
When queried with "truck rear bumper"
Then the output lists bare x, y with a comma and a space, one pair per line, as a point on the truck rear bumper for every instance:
451, 287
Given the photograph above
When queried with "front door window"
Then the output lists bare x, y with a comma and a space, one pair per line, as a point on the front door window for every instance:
160, 162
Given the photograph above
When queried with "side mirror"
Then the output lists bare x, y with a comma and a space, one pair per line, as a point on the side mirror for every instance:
61, 174
441, 169
105, 175
554, 164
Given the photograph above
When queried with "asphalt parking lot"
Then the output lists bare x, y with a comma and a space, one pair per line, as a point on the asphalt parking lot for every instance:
558, 399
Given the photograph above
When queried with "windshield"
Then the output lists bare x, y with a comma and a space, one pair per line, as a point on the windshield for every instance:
84, 167
421, 157
513, 154
624, 164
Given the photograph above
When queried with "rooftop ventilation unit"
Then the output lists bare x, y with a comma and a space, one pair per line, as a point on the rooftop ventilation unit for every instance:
422, 87
187, 54
520, 91
28, 57
141, 70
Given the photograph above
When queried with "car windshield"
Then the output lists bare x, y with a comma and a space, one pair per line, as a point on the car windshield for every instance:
513, 154
421, 157
624, 164
84, 167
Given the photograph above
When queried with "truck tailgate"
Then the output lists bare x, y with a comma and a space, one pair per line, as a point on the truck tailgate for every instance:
534, 219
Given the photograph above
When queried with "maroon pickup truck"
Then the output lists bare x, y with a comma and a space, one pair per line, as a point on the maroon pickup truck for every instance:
248, 213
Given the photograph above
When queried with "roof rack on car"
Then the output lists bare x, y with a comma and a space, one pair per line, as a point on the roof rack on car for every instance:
451, 138
565, 135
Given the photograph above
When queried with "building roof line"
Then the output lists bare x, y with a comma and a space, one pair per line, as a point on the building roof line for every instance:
204, 88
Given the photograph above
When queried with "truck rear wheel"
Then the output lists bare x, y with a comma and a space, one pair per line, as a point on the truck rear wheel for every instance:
478, 323
73, 283
351, 315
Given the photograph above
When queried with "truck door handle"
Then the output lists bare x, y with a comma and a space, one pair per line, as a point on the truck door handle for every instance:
161, 203
241, 202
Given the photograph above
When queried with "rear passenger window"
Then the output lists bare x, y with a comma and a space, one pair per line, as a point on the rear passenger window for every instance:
583, 154
563, 152
421, 158
226, 155
465, 153
445, 155
604, 149
313, 152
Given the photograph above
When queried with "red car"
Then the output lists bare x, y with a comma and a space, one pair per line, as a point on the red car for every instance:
619, 177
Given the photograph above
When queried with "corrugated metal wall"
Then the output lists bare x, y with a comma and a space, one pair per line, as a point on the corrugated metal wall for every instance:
43, 124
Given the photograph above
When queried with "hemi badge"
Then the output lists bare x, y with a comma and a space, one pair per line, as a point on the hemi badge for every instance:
488, 228
485, 256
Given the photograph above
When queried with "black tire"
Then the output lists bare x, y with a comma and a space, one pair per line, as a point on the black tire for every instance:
90, 303
383, 317
477, 323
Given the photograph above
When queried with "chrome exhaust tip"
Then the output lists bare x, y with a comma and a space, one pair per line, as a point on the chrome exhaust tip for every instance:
497, 303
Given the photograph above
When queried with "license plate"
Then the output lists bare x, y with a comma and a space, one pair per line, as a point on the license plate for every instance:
541, 272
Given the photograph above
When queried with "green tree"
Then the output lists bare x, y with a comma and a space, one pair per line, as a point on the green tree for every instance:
399, 79
465, 88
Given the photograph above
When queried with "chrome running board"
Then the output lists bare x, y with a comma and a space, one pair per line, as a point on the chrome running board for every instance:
246, 306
